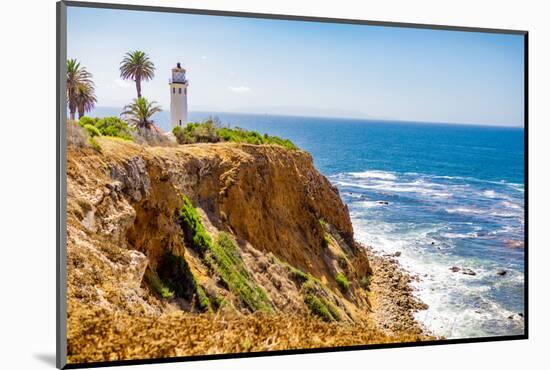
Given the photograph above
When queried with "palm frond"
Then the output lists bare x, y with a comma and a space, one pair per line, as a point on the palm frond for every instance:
136, 65
140, 111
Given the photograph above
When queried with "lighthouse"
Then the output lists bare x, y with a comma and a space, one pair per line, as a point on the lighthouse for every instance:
178, 97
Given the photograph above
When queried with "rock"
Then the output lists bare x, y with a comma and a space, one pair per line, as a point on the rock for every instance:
520, 315
501, 272
511, 317
133, 176
455, 269
469, 272
383, 202
397, 254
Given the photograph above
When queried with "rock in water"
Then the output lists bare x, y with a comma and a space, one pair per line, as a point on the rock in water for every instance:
501, 272
455, 269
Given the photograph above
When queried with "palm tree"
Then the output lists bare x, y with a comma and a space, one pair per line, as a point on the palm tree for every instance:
137, 66
139, 113
85, 98
76, 77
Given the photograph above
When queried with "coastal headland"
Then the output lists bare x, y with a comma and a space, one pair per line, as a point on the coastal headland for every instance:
208, 248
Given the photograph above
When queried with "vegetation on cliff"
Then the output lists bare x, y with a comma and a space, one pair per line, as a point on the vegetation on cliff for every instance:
212, 131
108, 126
223, 258
170, 243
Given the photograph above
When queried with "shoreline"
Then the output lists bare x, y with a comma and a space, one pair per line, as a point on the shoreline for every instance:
393, 301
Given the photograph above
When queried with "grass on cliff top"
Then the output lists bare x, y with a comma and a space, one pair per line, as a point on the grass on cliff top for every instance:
223, 257
212, 131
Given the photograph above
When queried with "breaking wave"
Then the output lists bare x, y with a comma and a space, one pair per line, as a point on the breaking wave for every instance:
438, 222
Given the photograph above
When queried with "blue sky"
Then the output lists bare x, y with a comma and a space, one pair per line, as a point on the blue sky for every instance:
307, 68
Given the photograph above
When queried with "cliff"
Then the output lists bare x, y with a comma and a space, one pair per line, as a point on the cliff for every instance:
243, 231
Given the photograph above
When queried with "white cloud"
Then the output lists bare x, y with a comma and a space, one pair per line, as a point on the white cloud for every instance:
240, 89
125, 84
203, 57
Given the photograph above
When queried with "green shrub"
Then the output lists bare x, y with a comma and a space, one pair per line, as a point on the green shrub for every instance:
83, 121
317, 304
183, 136
365, 282
298, 275
202, 300
342, 282
114, 126
200, 240
317, 307
91, 130
177, 275
342, 261
323, 223
156, 283
333, 310
94, 144
108, 126
325, 242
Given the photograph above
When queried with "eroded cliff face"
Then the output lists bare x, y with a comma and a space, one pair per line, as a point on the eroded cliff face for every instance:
254, 234
282, 213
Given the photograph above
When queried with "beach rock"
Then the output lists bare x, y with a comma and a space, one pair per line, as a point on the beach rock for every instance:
397, 254
455, 269
469, 272
520, 315
501, 272
383, 202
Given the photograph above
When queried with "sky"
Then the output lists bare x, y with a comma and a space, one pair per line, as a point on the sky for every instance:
306, 68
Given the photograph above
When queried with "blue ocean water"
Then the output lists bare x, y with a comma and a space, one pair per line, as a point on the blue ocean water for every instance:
442, 195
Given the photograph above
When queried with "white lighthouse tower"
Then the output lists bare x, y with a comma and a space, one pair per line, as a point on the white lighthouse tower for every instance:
178, 97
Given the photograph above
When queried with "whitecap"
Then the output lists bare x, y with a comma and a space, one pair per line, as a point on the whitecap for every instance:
374, 174
466, 210
489, 193
459, 236
512, 205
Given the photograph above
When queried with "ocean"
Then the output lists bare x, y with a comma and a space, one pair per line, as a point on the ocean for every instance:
442, 195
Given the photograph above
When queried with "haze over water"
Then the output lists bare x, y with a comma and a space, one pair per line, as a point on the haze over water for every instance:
455, 197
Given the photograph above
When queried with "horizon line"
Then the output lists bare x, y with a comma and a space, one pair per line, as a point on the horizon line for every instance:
389, 120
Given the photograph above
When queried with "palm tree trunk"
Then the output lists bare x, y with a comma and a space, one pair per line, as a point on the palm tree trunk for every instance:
71, 104
80, 112
138, 87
